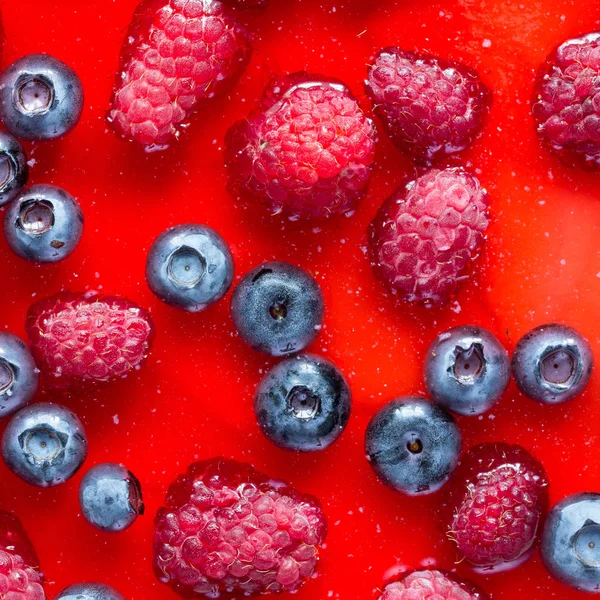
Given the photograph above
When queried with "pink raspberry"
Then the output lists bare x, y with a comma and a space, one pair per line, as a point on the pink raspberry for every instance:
426, 235
307, 153
430, 585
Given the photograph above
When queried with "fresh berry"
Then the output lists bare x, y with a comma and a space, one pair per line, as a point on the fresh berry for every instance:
430, 585
80, 338
190, 267
277, 308
43, 224
18, 374
44, 444
178, 54
90, 591
20, 577
552, 364
228, 528
467, 370
413, 445
306, 153
41, 98
110, 497
426, 235
13, 167
570, 546
566, 101
303, 403
497, 497
429, 107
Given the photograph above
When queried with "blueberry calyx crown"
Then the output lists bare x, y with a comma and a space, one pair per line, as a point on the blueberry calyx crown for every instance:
33, 95
469, 364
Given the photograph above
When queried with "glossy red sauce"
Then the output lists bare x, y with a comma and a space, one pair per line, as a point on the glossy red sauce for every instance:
193, 398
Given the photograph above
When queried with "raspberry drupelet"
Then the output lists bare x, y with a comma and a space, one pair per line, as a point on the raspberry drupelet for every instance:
426, 235
178, 54
307, 152
429, 107
20, 577
498, 498
566, 102
228, 528
85, 338
430, 585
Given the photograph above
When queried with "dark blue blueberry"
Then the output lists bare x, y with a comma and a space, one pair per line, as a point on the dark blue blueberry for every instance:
278, 308
413, 445
552, 364
110, 497
44, 444
44, 224
90, 591
467, 370
41, 98
570, 545
303, 403
189, 266
18, 374
13, 167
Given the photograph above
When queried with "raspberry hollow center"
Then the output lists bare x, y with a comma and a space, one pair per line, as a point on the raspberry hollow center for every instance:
186, 267
7, 377
36, 217
558, 367
303, 404
43, 444
469, 363
34, 95
587, 545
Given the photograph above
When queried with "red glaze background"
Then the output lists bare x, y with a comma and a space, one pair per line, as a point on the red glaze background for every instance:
193, 398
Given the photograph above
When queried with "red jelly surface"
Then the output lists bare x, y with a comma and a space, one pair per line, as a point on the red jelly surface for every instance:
193, 397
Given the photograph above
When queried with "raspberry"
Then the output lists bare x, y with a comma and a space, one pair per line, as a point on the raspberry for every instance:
427, 233
307, 153
498, 499
566, 103
179, 53
430, 585
228, 528
20, 578
428, 106
79, 338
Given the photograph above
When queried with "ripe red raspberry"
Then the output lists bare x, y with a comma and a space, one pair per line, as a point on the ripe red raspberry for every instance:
430, 585
78, 338
429, 107
498, 497
566, 103
20, 577
178, 54
427, 233
307, 153
228, 528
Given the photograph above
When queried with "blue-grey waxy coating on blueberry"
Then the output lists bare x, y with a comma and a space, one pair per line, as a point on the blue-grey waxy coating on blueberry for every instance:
570, 546
90, 591
303, 403
110, 497
19, 376
190, 267
278, 308
41, 98
13, 167
413, 445
43, 224
552, 364
44, 444
467, 370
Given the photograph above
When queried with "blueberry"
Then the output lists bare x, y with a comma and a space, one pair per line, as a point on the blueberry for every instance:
41, 98
44, 444
190, 267
570, 545
552, 364
303, 403
467, 370
413, 445
18, 374
90, 591
277, 308
13, 167
43, 224
110, 497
